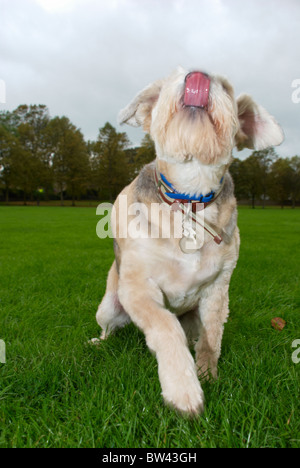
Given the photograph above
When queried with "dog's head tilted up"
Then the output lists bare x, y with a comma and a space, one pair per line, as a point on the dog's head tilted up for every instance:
175, 287
193, 115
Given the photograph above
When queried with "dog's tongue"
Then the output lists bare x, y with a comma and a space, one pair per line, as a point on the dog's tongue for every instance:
196, 89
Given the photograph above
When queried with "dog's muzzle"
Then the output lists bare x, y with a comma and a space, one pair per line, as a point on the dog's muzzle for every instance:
196, 91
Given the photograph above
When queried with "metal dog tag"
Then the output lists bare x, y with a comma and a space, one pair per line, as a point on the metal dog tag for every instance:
189, 245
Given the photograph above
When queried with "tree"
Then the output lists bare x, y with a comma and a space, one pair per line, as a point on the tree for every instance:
265, 158
78, 164
68, 156
111, 172
281, 176
32, 168
8, 143
25, 170
10, 121
252, 178
295, 179
236, 171
9, 149
145, 153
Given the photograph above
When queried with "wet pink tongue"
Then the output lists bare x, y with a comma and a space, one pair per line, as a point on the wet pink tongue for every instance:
196, 89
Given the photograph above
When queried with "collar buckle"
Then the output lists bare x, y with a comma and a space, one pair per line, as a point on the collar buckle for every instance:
169, 195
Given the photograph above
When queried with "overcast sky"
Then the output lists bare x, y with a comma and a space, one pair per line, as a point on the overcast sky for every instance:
86, 59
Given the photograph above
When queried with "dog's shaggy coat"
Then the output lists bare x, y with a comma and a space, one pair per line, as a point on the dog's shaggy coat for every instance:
176, 297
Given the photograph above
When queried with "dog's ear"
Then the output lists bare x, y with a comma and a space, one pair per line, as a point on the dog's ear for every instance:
138, 111
258, 129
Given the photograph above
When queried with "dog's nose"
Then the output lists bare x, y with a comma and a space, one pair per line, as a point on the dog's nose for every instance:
196, 93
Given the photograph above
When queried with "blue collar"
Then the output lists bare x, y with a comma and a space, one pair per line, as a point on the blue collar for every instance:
183, 196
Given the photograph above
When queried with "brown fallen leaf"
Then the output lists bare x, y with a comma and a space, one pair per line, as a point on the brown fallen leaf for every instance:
278, 323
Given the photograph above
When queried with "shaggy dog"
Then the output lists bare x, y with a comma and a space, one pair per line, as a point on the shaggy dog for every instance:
175, 288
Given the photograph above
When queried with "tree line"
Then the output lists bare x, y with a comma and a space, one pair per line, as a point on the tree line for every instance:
44, 158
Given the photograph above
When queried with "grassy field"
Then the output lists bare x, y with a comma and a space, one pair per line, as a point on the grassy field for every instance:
57, 391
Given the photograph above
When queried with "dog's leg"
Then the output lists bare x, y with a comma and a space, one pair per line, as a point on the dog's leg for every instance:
213, 310
110, 314
143, 301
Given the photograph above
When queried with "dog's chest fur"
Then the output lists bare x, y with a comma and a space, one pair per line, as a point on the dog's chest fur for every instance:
181, 277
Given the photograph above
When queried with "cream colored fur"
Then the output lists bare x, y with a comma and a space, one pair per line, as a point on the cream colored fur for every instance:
172, 296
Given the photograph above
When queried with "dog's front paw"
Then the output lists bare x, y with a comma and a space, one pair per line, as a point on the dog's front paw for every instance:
186, 396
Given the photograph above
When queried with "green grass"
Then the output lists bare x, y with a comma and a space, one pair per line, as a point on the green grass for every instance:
57, 391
